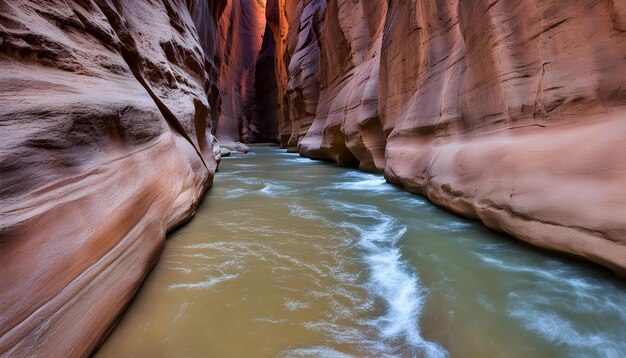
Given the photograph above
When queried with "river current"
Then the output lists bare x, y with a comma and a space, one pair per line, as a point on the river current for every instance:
291, 257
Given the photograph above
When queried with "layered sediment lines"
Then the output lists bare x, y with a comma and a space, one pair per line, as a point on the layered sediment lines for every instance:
509, 111
106, 145
262, 125
240, 29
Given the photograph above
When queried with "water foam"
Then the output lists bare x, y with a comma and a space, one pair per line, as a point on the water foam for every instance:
300, 211
556, 275
318, 351
203, 284
534, 307
390, 278
271, 189
357, 181
236, 193
452, 225
295, 305
301, 160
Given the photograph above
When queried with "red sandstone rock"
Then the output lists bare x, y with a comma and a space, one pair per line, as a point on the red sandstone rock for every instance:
262, 125
105, 147
347, 127
511, 111
508, 111
240, 26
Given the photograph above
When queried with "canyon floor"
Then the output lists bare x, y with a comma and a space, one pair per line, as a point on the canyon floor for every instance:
292, 257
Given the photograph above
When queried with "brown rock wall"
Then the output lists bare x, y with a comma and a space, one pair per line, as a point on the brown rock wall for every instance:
263, 122
508, 111
106, 146
240, 27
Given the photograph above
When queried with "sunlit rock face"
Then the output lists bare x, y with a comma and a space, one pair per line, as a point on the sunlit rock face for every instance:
294, 25
240, 29
105, 146
508, 111
347, 128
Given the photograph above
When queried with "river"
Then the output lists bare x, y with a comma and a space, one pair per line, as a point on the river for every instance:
293, 257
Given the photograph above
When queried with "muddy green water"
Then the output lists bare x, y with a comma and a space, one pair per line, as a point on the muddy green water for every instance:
296, 258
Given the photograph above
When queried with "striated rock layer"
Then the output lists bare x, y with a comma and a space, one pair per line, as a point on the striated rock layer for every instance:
106, 145
240, 28
262, 125
508, 111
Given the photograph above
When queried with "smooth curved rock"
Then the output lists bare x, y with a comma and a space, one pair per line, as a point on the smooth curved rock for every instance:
240, 147
106, 146
240, 26
512, 111
224, 152
508, 111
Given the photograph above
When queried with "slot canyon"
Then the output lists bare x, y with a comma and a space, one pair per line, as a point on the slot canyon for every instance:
396, 178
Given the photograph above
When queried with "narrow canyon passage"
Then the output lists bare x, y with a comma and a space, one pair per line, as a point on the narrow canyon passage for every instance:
116, 116
293, 257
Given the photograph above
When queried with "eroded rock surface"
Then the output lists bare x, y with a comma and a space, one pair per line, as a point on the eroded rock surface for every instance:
240, 27
510, 111
262, 125
105, 146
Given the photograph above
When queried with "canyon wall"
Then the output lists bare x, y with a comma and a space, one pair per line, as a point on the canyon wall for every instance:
106, 145
508, 111
240, 29
262, 125
512, 112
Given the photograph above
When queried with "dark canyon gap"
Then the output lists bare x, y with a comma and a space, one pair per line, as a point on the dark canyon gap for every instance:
512, 112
